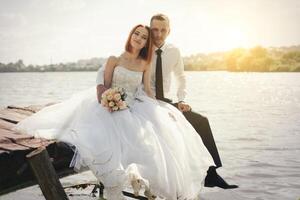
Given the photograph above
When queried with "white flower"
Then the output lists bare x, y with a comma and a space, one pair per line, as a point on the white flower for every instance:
115, 108
109, 97
117, 97
111, 104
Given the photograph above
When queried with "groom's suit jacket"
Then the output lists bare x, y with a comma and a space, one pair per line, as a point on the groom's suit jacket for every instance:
172, 64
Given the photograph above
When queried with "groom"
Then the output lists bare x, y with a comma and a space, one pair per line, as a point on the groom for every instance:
167, 60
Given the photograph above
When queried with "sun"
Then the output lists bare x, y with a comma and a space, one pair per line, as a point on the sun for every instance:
233, 38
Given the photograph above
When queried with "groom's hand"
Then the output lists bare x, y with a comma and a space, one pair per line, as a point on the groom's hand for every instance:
183, 107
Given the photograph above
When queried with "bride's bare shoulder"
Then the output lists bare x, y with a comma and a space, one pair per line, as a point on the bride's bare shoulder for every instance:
112, 61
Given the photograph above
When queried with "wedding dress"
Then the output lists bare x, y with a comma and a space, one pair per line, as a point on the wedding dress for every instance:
151, 141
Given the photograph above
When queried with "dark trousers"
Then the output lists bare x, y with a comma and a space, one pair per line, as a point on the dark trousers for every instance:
201, 125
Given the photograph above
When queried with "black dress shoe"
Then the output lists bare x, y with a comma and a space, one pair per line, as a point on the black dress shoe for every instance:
212, 179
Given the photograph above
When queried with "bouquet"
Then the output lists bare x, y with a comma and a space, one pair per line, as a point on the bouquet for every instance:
114, 99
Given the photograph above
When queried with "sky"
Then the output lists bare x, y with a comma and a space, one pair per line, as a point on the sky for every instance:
54, 31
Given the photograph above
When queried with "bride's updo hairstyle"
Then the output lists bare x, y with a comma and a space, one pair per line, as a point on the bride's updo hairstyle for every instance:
146, 51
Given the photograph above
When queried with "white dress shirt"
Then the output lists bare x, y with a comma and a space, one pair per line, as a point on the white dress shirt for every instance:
172, 63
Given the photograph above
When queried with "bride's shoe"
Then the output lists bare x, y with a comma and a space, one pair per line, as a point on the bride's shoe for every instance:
136, 186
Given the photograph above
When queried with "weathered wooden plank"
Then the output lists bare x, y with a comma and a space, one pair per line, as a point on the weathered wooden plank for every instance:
4, 140
12, 147
11, 115
35, 108
22, 108
35, 142
13, 135
32, 108
22, 112
45, 174
6, 125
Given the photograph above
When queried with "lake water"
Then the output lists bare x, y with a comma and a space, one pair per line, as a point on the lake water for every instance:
255, 118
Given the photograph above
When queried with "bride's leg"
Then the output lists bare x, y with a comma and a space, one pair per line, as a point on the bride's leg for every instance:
113, 182
114, 193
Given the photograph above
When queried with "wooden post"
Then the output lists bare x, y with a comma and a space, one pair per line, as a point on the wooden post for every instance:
45, 174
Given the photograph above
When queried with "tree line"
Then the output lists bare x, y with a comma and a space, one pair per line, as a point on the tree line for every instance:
256, 59
81, 65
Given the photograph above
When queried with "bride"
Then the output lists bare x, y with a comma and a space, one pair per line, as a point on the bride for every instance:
148, 144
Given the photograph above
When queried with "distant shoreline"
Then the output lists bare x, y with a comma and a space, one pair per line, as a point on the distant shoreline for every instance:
256, 59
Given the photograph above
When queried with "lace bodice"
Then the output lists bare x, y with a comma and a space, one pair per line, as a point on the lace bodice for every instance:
127, 79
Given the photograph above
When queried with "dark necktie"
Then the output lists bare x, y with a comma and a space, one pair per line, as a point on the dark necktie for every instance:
159, 87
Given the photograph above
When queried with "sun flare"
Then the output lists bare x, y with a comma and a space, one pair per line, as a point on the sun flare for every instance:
233, 38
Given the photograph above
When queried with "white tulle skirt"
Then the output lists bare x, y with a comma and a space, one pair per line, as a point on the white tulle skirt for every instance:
151, 141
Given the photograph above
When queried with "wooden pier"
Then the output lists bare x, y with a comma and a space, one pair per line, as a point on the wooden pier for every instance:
19, 152
26, 161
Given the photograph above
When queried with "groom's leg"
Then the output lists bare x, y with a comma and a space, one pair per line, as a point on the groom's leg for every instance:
201, 125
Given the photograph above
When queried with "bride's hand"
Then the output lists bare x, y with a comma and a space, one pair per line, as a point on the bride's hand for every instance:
100, 90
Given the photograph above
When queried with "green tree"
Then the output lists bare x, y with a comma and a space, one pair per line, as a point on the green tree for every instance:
231, 58
291, 57
244, 63
258, 52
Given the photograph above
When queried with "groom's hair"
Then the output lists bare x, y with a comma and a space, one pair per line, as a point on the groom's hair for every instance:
146, 51
160, 17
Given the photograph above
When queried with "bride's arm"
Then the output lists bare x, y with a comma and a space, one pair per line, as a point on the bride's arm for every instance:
108, 74
109, 70
146, 81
